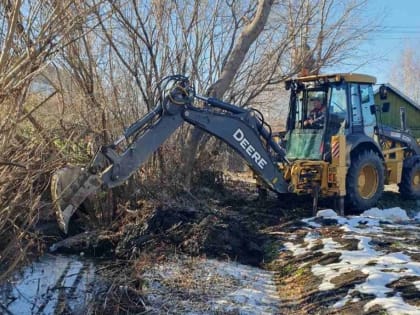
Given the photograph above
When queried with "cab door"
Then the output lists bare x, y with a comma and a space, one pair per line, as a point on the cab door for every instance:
338, 110
369, 119
356, 110
361, 98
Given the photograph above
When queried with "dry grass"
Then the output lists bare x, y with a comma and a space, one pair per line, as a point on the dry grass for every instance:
29, 154
182, 285
24, 180
31, 151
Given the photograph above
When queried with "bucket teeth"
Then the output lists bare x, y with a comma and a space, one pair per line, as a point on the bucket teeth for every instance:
70, 186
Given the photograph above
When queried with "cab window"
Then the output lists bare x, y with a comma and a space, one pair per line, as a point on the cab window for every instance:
338, 112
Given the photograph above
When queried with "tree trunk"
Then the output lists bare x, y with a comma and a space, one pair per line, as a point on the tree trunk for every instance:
245, 40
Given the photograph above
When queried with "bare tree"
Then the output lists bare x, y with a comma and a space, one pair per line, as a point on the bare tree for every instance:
329, 32
232, 50
318, 34
31, 34
406, 72
230, 68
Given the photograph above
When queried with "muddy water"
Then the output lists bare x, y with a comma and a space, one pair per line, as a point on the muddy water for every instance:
54, 284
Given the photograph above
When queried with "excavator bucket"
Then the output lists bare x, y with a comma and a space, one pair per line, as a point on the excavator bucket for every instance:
70, 186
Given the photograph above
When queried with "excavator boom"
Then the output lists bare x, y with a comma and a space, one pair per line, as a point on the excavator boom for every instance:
242, 129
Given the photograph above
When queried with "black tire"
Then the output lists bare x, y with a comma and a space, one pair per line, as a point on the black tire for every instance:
410, 182
365, 181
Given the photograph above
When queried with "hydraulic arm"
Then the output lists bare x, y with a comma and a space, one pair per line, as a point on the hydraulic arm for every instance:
242, 129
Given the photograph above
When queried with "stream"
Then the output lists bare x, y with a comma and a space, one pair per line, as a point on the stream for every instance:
58, 284
53, 284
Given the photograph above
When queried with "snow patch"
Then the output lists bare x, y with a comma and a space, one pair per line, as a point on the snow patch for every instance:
327, 213
310, 241
392, 214
381, 268
296, 249
393, 305
311, 223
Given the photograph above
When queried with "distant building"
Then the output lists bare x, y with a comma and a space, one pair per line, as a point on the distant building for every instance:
400, 105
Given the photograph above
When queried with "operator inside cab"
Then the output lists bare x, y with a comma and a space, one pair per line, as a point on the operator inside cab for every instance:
316, 117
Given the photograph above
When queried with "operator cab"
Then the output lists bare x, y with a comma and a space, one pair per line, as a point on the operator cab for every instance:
325, 105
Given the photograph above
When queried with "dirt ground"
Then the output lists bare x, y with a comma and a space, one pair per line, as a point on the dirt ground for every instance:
229, 223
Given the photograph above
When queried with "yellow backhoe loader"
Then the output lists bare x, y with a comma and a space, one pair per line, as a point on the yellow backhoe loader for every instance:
334, 144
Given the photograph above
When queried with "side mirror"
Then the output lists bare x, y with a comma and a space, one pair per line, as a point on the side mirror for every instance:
385, 107
383, 92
